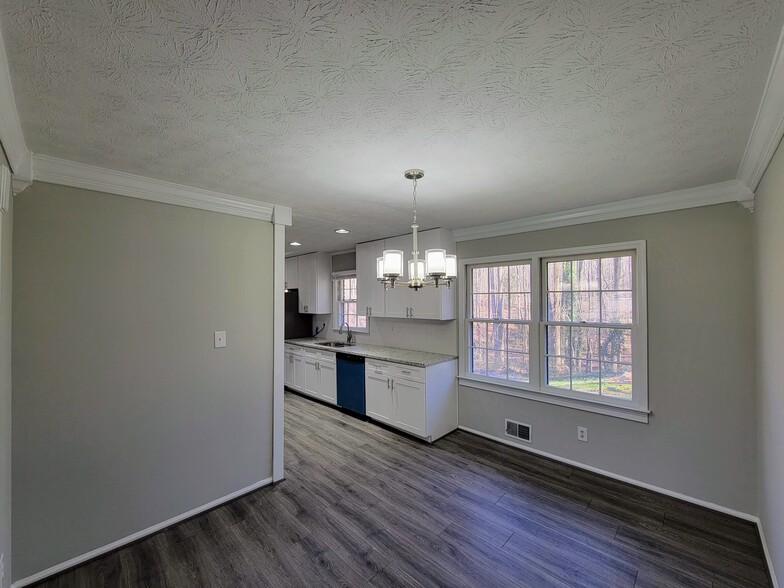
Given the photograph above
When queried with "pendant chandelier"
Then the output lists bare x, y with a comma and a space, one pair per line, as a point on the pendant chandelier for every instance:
435, 269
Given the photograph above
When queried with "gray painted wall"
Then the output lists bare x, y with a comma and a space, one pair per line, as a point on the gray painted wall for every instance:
5, 391
769, 216
124, 414
701, 439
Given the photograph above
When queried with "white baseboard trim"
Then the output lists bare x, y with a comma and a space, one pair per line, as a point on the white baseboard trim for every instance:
633, 482
768, 559
136, 536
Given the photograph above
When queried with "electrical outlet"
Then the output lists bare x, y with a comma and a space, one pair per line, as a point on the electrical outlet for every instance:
582, 434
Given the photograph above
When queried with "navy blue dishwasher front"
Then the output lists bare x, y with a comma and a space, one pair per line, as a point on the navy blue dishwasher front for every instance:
351, 382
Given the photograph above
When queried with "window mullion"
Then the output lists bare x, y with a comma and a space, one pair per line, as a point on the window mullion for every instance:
535, 333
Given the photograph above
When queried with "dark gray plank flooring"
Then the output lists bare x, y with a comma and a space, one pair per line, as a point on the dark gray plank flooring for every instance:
362, 505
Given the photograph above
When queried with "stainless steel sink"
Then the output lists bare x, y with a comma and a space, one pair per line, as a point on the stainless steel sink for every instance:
333, 344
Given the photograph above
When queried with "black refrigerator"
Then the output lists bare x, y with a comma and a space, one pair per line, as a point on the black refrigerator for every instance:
297, 325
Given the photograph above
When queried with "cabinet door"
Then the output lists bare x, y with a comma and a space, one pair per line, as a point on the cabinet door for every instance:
328, 382
398, 299
306, 266
370, 292
288, 373
378, 397
299, 373
409, 403
426, 304
311, 384
292, 273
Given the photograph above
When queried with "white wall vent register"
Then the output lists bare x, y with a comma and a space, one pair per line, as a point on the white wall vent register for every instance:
518, 430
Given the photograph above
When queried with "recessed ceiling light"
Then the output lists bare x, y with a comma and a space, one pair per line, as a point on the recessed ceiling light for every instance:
342, 231
295, 243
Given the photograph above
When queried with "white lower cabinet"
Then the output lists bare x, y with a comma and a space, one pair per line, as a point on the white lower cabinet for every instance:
410, 407
420, 401
378, 393
294, 374
312, 372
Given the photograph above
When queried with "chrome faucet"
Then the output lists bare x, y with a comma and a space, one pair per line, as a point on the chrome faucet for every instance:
349, 334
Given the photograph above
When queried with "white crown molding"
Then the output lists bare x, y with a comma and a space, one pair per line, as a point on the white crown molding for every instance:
11, 135
80, 175
768, 126
722, 192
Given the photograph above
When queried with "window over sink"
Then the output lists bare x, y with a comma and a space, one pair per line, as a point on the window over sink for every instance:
345, 306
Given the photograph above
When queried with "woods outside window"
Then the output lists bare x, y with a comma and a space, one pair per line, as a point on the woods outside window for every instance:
566, 324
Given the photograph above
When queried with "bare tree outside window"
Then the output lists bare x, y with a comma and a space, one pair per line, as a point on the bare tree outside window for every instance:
346, 289
589, 325
500, 321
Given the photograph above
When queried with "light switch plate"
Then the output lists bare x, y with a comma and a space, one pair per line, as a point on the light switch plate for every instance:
220, 339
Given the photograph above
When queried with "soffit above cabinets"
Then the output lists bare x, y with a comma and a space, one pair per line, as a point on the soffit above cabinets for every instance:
514, 107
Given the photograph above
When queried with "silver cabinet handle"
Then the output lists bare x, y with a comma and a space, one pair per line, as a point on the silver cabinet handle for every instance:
388, 384
370, 310
408, 311
412, 312
406, 371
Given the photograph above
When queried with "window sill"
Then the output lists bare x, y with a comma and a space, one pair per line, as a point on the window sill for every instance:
631, 414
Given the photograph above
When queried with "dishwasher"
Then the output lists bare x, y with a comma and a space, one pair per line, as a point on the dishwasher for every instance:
351, 382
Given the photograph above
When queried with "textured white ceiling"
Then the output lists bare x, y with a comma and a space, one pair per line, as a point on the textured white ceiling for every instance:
512, 107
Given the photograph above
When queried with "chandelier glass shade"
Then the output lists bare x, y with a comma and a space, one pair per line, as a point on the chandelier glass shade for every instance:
436, 268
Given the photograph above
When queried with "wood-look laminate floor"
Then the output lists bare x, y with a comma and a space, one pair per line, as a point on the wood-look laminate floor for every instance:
362, 505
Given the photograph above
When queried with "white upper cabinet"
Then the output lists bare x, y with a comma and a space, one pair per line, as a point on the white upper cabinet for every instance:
398, 299
292, 273
314, 276
370, 292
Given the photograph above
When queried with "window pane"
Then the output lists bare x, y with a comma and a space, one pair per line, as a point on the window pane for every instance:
498, 278
585, 376
616, 345
558, 372
559, 307
617, 307
518, 367
482, 306
499, 306
585, 344
558, 341
480, 280
585, 274
517, 338
520, 278
362, 322
496, 364
351, 308
616, 380
617, 273
496, 336
479, 361
479, 335
585, 307
559, 275
520, 307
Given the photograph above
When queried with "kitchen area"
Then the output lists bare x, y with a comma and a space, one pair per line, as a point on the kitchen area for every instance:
384, 354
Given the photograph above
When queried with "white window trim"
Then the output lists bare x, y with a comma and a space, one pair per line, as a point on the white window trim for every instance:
335, 311
636, 410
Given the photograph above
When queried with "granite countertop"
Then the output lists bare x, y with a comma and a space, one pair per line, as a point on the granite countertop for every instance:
393, 354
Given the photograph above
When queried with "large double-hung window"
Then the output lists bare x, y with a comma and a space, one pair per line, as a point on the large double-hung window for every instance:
566, 327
